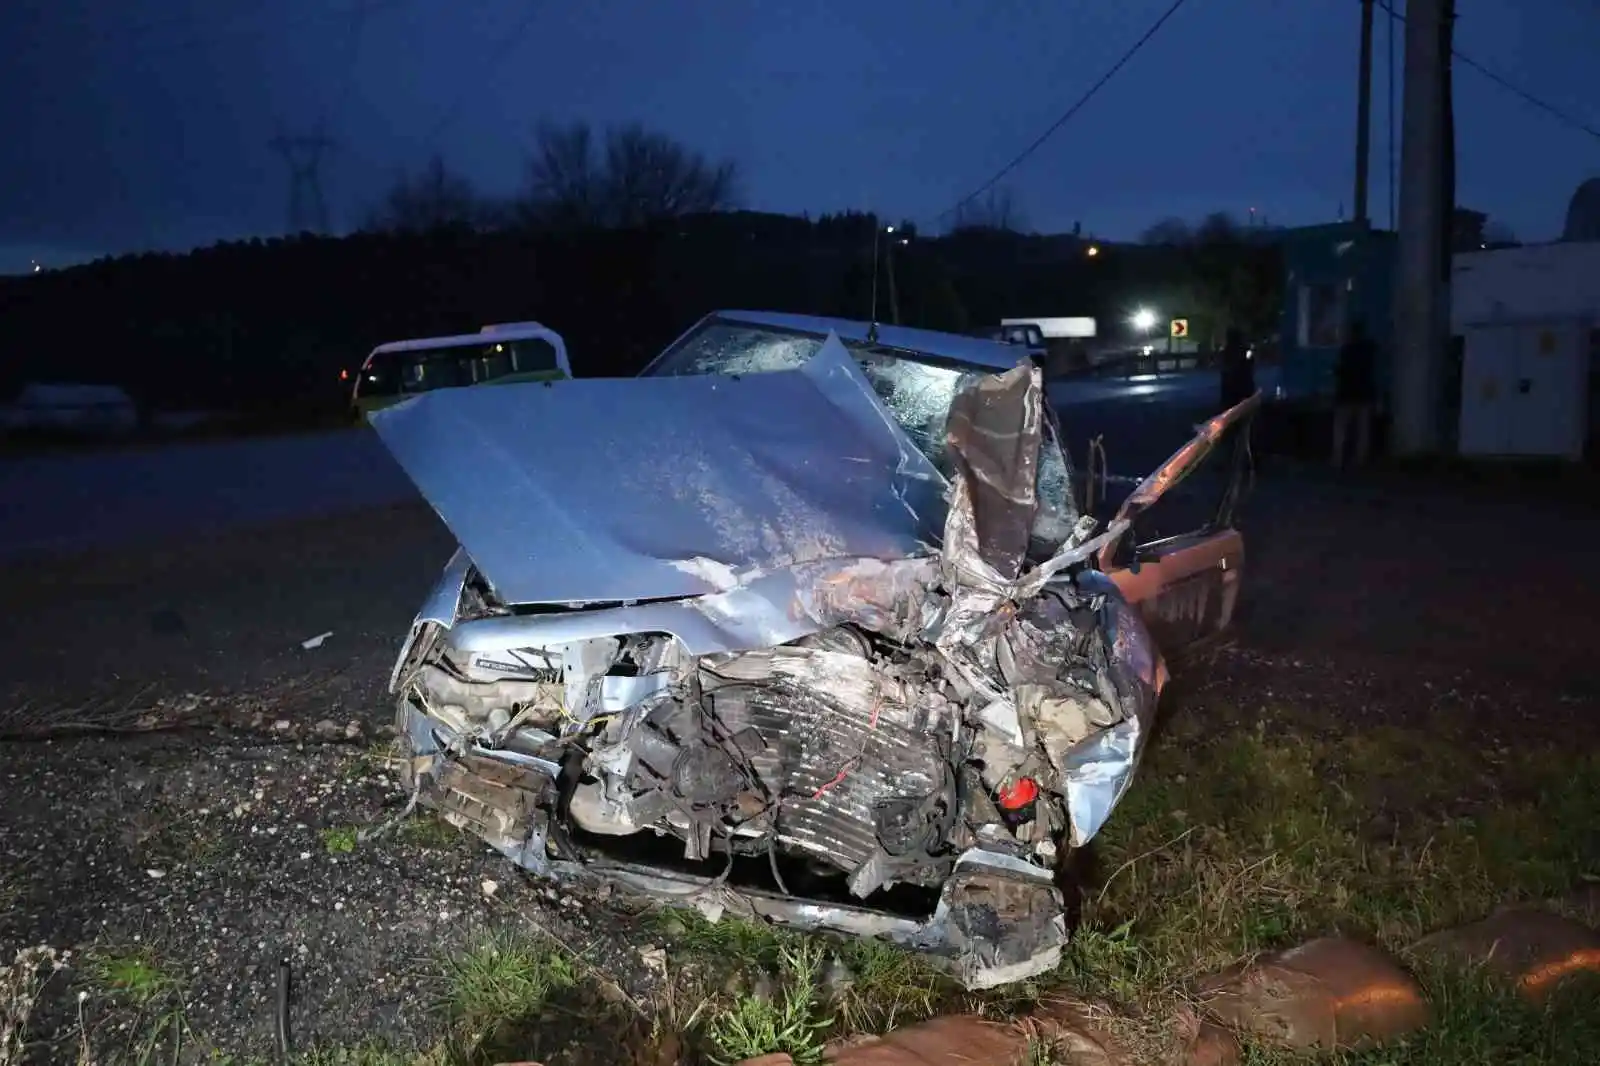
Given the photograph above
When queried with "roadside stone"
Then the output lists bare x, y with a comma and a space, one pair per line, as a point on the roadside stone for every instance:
654, 958
1328, 993
1077, 1032
1532, 949
352, 730
952, 1040
327, 729
837, 978
1204, 1043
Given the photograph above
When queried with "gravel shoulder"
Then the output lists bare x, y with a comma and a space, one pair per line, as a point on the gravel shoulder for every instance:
220, 849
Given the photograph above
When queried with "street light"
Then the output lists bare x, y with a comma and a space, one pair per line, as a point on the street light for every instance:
1094, 250
1144, 320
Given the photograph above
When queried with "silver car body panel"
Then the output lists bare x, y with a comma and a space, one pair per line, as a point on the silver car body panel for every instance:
594, 490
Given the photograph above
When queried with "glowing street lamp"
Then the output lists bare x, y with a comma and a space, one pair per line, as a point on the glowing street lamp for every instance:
1094, 250
1144, 320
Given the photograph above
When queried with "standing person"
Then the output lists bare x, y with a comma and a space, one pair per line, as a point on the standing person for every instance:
1355, 394
1238, 372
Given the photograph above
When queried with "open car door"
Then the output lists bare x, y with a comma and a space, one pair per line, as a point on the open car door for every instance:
1181, 559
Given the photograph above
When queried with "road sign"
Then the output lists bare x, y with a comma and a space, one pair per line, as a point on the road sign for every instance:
1180, 327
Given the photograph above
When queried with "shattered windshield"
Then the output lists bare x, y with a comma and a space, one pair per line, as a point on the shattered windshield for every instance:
917, 391
918, 394
736, 348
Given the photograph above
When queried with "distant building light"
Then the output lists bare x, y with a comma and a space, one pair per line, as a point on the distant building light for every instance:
1094, 250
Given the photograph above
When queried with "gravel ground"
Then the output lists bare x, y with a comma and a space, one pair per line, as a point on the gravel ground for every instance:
218, 850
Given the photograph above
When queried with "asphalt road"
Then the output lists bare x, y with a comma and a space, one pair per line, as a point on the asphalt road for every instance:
60, 504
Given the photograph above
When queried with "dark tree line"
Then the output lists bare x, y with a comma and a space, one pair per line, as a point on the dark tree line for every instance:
1228, 275
618, 240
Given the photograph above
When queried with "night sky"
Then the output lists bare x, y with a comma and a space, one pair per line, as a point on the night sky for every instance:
134, 124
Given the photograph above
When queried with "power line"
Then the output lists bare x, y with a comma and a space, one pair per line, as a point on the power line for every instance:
1066, 115
357, 24
1506, 83
202, 32
512, 38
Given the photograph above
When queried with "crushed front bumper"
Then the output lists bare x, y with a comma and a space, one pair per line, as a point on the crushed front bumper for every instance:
998, 919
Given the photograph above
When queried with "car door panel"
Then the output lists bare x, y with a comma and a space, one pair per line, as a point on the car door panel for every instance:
1186, 588
1185, 582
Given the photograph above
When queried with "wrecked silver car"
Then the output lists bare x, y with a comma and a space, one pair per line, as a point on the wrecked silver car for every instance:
804, 623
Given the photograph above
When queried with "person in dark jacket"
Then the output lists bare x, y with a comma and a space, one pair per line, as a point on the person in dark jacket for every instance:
1238, 371
1355, 394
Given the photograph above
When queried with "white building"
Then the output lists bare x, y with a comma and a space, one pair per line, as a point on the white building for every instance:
1530, 320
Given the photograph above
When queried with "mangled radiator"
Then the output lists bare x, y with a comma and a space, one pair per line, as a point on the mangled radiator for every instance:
823, 753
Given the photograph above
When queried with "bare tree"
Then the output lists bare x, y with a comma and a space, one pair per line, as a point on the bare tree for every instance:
996, 211
435, 198
650, 177
564, 185
635, 178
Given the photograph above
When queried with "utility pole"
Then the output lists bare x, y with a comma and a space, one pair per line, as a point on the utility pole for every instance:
894, 295
1364, 114
1418, 308
1447, 134
872, 321
308, 211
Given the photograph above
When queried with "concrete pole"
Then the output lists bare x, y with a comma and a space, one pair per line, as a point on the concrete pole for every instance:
1418, 335
1364, 114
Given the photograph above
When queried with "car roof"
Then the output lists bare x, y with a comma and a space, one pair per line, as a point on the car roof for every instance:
979, 351
519, 331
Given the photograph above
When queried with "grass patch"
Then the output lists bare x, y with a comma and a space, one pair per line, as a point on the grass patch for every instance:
731, 943
373, 1053
374, 758
505, 978
790, 1019
791, 991
134, 976
340, 840
1239, 840
431, 831
889, 987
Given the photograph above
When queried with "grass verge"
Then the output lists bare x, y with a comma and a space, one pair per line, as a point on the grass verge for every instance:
1243, 837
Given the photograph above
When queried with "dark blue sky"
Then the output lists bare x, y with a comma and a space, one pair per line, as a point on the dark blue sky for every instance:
144, 123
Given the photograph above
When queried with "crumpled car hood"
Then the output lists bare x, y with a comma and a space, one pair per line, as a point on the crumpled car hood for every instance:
606, 490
